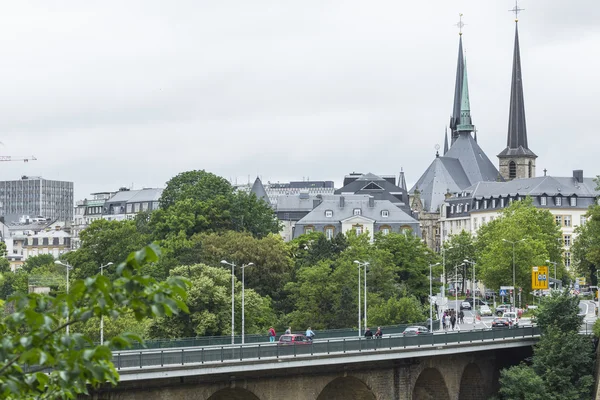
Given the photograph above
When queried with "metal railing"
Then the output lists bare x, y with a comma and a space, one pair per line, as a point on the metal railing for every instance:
250, 339
222, 354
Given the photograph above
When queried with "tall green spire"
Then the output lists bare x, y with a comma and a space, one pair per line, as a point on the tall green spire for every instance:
465, 124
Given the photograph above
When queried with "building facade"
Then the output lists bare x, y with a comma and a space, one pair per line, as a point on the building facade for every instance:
274, 190
38, 197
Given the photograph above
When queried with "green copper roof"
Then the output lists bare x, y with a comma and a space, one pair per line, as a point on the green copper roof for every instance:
465, 107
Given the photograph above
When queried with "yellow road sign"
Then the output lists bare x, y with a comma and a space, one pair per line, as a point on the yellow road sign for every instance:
539, 278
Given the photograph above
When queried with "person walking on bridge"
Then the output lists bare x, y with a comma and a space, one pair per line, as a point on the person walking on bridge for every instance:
272, 334
310, 334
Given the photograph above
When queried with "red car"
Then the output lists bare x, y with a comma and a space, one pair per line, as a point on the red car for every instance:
293, 339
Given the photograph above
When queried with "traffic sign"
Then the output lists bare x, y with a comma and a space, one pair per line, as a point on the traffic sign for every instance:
539, 277
502, 292
507, 287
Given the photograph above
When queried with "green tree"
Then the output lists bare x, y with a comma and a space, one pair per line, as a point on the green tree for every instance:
536, 236
209, 302
197, 185
586, 248
34, 340
37, 261
458, 248
398, 310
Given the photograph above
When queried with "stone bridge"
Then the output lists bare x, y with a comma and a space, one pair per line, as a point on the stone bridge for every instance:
448, 373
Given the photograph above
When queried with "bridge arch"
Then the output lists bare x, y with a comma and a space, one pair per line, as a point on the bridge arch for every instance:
430, 386
233, 394
347, 387
471, 384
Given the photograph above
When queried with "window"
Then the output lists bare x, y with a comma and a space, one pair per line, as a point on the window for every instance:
405, 229
491, 219
567, 220
309, 229
567, 259
482, 220
452, 209
475, 223
385, 229
385, 213
357, 211
510, 200
129, 208
485, 204
558, 201
493, 203
145, 206
567, 239
477, 205
558, 219
328, 213
573, 201
329, 232
543, 200
512, 170
136, 208
466, 207
358, 229
582, 220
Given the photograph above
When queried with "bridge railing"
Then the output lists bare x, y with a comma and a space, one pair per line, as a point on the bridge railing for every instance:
216, 354
226, 340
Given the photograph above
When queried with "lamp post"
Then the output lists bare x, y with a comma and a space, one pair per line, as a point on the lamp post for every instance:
232, 265
243, 313
456, 285
68, 267
365, 265
102, 316
554, 263
514, 284
444, 249
473, 291
430, 297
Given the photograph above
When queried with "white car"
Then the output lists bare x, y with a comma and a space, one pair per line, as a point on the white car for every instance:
465, 305
512, 317
485, 310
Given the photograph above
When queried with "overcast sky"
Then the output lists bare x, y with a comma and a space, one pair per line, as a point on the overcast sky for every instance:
120, 93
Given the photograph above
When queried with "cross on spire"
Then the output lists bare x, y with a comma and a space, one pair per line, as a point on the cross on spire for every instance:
460, 24
516, 10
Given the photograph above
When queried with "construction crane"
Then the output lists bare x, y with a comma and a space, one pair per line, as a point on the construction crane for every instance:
18, 158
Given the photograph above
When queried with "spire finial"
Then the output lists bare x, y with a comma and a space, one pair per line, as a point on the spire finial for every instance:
516, 10
460, 24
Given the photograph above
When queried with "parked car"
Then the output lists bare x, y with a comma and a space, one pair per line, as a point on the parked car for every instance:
513, 317
293, 339
500, 322
477, 300
502, 308
485, 310
415, 330
465, 305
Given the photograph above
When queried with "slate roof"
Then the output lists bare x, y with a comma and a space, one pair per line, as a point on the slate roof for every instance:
332, 202
259, 190
294, 202
135, 196
538, 186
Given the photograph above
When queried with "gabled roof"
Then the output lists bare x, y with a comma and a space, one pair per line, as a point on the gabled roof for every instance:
476, 164
436, 182
538, 186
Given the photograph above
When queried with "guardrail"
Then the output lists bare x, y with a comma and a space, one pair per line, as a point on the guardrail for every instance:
226, 340
200, 356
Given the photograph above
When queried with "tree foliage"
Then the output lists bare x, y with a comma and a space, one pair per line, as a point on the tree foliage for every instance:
34, 340
536, 236
586, 249
458, 248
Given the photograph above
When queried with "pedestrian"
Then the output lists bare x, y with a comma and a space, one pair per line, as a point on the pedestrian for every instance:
378, 333
272, 334
288, 331
444, 320
453, 320
461, 316
310, 334
368, 334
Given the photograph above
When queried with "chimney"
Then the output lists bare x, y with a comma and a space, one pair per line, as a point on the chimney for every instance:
341, 201
371, 201
578, 175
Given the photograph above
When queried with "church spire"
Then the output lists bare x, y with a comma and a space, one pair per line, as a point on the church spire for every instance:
465, 124
446, 141
516, 160
458, 85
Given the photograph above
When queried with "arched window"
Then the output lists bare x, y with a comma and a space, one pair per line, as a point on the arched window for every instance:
530, 169
512, 170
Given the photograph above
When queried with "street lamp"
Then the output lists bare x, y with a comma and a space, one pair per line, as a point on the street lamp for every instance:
68, 267
365, 265
243, 315
514, 284
232, 265
430, 297
102, 316
473, 291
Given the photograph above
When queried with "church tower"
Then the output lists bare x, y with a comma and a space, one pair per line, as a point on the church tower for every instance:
516, 160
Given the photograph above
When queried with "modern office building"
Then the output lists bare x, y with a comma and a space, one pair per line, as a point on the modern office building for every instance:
36, 197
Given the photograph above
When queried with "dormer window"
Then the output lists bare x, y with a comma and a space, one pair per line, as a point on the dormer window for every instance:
573, 201
493, 203
485, 203
466, 207
558, 200
502, 202
385, 213
543, 200
357, 211
452, 209
477, 205
328, 213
